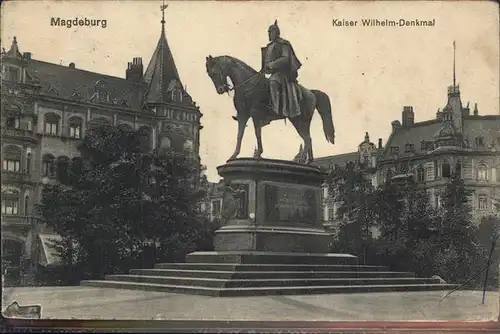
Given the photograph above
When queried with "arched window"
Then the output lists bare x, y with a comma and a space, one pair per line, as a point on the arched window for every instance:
482, 202
145, 137
12, 159
482, 172
62, 169
75, 127
125, 127
10, 202
51, 124
445, 170
48, 168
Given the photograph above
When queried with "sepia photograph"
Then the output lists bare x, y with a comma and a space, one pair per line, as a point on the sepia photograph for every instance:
250, 161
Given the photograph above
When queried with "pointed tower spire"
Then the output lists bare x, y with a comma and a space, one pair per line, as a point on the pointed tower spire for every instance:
454, 76
161, 74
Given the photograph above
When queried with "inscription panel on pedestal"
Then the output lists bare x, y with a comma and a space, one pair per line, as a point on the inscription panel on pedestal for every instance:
289, 204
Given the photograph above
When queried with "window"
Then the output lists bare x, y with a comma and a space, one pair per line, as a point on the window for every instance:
216, 208
482, 172
188, 146
13, 121
458, 169
75, 127
479, 142
125, 127
482, 202
366, 160
144, 133
28, 164
165, 143
446, 170
26, 205
62, 169
51, 124
389, 174
331, 213
12, 74
394, 149
424, 146
48, 168
10, 202
420, 174
409, 148
12, 159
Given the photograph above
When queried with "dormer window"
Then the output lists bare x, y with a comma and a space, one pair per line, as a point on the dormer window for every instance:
409, 148
12, 74
394, 150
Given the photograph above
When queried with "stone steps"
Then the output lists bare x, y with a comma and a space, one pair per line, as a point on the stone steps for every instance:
234, 274
259, 291
254, 283
250, 273
267, 267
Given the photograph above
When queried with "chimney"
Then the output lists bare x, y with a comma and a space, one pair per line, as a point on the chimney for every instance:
476, 112
134, 70
27, 55
408, 116
466, 110
380, 143
71, 65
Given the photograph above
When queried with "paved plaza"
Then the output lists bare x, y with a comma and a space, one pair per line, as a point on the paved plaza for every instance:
102, 303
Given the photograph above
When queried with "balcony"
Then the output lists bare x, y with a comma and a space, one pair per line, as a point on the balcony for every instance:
22, 134
15, 177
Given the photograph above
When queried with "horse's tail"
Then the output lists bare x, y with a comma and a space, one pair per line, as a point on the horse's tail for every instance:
325, 110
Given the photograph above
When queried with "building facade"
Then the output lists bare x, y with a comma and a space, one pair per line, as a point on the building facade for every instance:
429, 152
46, 109
455, 141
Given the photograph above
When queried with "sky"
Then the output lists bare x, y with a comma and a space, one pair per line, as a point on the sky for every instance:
369, 73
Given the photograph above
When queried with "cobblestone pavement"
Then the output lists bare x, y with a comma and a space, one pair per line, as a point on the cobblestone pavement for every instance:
102, 303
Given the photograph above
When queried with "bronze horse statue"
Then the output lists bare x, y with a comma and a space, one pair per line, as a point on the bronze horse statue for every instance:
252, 100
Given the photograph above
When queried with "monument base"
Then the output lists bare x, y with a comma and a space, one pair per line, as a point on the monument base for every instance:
271, 242
271, 206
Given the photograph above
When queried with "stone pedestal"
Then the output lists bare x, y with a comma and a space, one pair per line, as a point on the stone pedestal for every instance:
271, 206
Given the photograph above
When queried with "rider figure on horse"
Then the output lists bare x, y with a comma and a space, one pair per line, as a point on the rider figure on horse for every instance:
279, 60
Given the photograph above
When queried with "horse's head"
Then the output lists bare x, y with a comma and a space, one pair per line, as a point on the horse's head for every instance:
216, 70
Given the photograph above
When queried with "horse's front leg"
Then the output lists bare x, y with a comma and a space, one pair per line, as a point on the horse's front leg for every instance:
242, 123
257, 124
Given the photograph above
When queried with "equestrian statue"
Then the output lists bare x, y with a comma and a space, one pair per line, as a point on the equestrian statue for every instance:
268, 99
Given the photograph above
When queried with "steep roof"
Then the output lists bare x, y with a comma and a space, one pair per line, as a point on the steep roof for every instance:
340, 159
161, 74
77, 84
